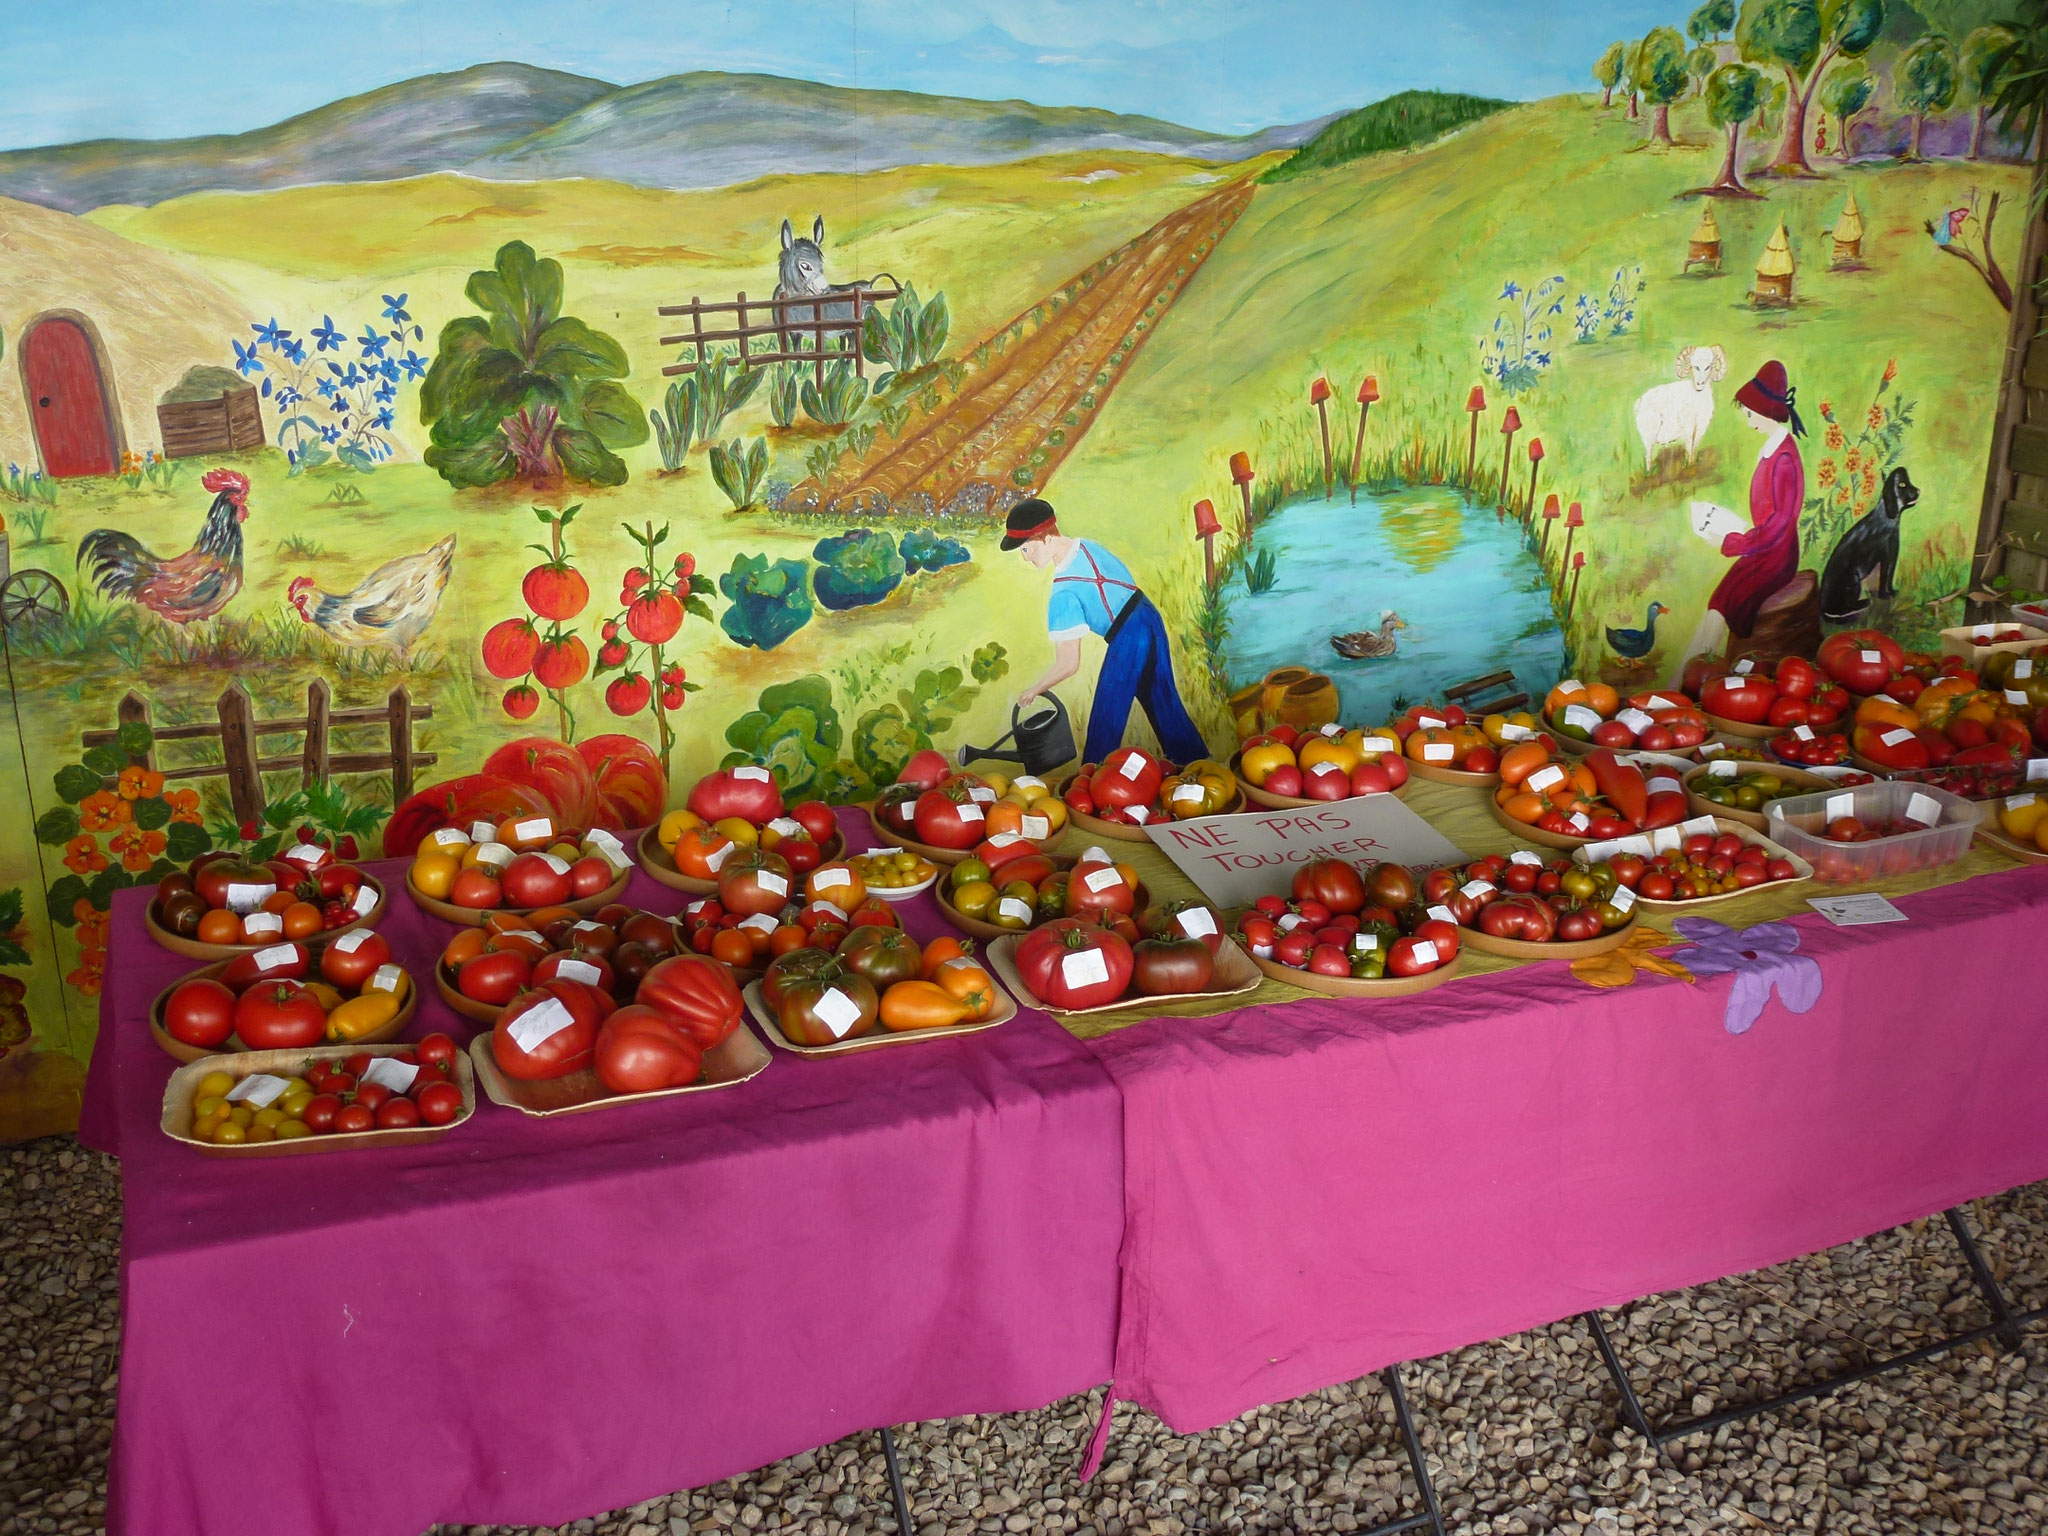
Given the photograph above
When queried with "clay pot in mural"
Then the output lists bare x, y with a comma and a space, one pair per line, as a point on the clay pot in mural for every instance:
1247, 710
1310, 703
1275, 687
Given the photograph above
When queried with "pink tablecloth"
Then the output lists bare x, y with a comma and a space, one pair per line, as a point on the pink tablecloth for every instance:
1317, 1190
531, 1321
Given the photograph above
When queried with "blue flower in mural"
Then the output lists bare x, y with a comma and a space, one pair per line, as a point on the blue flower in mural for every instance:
325, 387
394, 309
414, 365
287, 397
294, 352
270, 333
246, 360
330, 434
372, 342
327, 336
266, 389
1511, 290
384, 418
387, 391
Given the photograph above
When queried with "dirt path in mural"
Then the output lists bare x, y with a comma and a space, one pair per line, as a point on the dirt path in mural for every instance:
1032, 388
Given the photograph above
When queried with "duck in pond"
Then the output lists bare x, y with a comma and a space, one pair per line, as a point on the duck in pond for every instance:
1364, 645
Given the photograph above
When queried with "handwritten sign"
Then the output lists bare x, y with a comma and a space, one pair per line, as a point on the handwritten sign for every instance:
1237, 859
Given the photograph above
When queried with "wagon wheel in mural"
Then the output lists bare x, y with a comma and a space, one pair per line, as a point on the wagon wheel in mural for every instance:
31, 598
1037, 384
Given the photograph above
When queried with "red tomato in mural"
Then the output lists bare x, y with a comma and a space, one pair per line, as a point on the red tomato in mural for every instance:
626, 779
551, 769
510, 647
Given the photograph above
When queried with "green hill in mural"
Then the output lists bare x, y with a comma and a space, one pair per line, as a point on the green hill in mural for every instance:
1399, 122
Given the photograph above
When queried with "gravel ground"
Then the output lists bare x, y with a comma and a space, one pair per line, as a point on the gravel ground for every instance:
1522, 1434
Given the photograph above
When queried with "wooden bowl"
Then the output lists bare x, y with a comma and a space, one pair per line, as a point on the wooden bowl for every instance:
1358, 986
1736, 729
930, 851
177, 1104
1752, 819
656, 861
1123, 832
1579, 748
1267, 800
1523, 830
1802, 871
735, 1060
192, 949
485, 1014
1994, 837
233, 1044
475, 917
982, 929
1457, 776
1525, 949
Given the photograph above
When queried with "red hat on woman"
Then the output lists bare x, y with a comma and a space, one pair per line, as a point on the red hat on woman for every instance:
1769, 395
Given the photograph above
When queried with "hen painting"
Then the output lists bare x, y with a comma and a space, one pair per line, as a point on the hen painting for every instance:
195, 585
391, 606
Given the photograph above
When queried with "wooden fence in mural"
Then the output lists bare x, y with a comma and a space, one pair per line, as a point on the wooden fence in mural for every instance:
787, 332
239, 732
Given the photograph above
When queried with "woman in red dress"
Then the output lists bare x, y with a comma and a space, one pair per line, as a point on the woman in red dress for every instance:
1766, 554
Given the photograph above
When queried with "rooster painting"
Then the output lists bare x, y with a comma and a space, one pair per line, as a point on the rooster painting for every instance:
391, 606
197, 584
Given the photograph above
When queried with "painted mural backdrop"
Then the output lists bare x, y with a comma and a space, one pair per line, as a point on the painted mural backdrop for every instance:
511, 402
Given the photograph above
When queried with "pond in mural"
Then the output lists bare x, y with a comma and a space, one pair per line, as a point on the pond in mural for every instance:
1408, 566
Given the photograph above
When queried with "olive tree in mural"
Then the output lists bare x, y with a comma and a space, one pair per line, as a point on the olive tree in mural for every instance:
1711, 22
1734, 92
523, 389
1925, 82
1658, 69
1985, 55
1846, 92
1607, 71
1802, 38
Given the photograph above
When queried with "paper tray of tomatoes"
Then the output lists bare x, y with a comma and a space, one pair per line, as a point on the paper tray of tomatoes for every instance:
1231, 973
1676, 869
1002, 1009
179, 1102
735, 1059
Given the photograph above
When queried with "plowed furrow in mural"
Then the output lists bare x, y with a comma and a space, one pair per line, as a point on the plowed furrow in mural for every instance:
1038, 382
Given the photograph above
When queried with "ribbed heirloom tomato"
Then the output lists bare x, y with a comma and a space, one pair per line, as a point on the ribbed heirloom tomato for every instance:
696, 993
1070, 963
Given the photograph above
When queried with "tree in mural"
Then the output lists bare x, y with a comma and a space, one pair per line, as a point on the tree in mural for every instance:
654, 598
1802, 38
1985, 55
1659, 73
1607, 71
1711, 22
523, 389
1925, 81
1700, 64
1734, 92
1846, 92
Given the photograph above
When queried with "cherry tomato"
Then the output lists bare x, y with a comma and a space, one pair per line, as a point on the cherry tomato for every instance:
397, 1115
435, 1049
372, 1096
439, 1103
359, 1063
320, 1112
355, 1117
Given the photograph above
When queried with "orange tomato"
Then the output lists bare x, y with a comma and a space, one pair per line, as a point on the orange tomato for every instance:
465, 945
787, 937
940, 950
220, 927
278, 901
921, 1005
1601, 699
1521, 760
1524, 807
514, 942
700, 851
540, 917
301, 920
1004, 816
965, 981
734, 947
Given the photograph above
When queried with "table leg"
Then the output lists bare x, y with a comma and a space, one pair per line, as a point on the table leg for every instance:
1994, 1298
1431, 1516
903, 1524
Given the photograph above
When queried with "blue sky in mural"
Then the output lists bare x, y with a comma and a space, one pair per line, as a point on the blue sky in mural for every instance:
143, 68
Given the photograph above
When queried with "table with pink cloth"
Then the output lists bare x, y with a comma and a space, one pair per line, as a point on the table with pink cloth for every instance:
1318, 1189
530, 1321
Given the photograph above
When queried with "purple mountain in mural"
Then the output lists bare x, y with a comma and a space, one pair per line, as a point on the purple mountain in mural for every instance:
513, 122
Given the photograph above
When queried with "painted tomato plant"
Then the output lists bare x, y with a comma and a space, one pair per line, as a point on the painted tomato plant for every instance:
655, 597
538, 647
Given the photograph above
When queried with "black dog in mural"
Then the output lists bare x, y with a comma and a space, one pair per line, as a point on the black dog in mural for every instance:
1870, 548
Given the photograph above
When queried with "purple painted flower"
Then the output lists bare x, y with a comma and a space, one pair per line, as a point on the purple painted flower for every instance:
1759, 959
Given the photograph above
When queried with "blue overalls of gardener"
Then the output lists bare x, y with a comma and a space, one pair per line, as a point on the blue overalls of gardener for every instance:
1093, 593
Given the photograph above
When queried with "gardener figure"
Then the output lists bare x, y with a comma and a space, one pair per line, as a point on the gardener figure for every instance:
1092, 591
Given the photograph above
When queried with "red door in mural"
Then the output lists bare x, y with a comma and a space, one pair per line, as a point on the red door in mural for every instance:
67, 401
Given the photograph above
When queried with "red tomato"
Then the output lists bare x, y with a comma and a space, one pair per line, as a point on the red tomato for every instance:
436, 1049
550, 1031
279, 1016
288, 961
373, 1095
536, 880
1333, 882
698, 994
1070, 963
950, 816
439, 1103
641, 1049
200, 1012
319, 1113
355, 1117
351, 959
591, 970
397, 1114
496, 976
817, 819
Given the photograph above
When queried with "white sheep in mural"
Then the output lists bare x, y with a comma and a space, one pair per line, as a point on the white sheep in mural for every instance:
1679, 412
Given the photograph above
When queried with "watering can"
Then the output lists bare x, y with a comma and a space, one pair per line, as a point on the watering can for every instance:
1043, 740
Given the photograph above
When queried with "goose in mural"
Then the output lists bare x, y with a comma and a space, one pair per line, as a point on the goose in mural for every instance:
393, 605
1364, 645
1634, 644
192, 586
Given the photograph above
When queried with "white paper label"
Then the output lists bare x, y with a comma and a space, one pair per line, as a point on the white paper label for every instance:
1101, 879
1195, 922
1443, 915
1580, 717
308, 854
1027, 781
1330, 732
831, 877
1658, 701
2019, 802
1982, 632
1524, 856
352, 941
496, 855
2037, 769
392, 1073
1132, 767
1094, 853
1570, 686
483, 832
1139, 813
553, 862
1289, 921
246, 898
587, 926
1388, 744
1083, 967
277, 955
533, 829
450, 837
1430, 722
1543, 778
1439, 752
1016, 907
758, 922
261, 925
715, 860
970, 811
1711, 749
259, 1090
605, 840
771, 882
1425, 952
1871, 658
1744, 667
1636, 720
1924, 809
1474, 889
1035, 827
785, 826
388, 977
2015, 696
1699, 826
690, 911
1838, 806
981, 794
579, 970
2023, 668
1724, 770
1512, 732
540, 1023
1664, 839
1365, 942
751, 775
365, 901
1184, 794
526, 934
1636, 844
1664, 784
830, 909
1897, 734
1580, 821
1263, 951
1623, 899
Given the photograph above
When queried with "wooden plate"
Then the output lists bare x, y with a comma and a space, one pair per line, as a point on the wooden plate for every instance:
983, 929
233, 1044
735, 1059
192, 949
1752, 819
1125, 833
1358, 986
1735, 728
1267, 800
485, 1014
1579, 748
1005, 1009
930, 851
1523, 830
1457, 776
1803, 870
475, 917
177, 1115
1994, 837
656, 861
1235, 974
1525, 949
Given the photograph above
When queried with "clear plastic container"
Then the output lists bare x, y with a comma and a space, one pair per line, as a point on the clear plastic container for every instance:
1798, 824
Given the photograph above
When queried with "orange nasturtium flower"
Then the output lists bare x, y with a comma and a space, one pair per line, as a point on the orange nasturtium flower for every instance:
102, 811
86, 979
82, 855
138, 783
137, 848
184, 804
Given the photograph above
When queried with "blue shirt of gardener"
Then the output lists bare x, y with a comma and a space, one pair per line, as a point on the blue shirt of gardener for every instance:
1089, 589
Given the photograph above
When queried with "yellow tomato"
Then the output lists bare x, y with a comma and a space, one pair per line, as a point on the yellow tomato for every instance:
739, 829
1031, 787
527, 834
974, 898
214, 1104
674, 825
2021, 816
490, 856
328, 997
215, 1085
293, 1129
434, 872
360, 1015
998, 782
229, 1134
1260, 761
1322, 749
1049, 809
